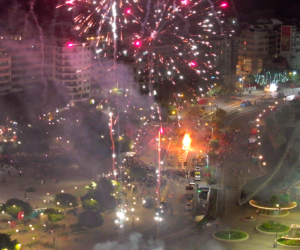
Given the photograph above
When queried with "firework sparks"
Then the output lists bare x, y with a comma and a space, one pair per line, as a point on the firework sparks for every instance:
168, 38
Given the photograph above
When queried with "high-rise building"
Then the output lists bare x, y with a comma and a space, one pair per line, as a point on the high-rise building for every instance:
290, 46
221, 49
22, 62
25, 63
5, 72
253, 49
69, 64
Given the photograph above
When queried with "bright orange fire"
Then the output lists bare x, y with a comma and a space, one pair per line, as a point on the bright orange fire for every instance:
186, 141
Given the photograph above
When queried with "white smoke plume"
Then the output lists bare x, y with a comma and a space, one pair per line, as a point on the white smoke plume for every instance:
135, 243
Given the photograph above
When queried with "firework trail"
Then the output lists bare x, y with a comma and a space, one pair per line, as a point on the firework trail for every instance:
162, 27
147, 15
31, 4
216, 16
233, 7
52, 25
113, 142
114, 30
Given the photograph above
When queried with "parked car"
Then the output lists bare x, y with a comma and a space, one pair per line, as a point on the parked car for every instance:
245, 103
188, 206
197, 168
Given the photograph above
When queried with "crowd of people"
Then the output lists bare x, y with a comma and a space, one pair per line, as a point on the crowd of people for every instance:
236, 146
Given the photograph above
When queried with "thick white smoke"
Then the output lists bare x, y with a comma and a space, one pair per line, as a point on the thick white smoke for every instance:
135, 243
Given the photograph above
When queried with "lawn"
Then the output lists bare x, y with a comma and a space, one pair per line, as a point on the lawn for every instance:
273, 228
288, 242
234, 235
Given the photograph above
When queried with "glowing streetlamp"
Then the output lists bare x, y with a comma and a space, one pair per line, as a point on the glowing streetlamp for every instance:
294, 74
278, 212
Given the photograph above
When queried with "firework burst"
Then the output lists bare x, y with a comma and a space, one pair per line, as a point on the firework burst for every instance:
168, 39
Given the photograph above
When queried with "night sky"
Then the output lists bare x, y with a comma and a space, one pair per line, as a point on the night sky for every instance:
14, 12
283, 8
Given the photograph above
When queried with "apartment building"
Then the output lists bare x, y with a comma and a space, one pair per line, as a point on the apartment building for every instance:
253, 49
220, 47
69, 64
5, 72
290, 46
22, 63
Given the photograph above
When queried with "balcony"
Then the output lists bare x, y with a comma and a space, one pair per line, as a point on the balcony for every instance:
4, 65
71, 91
65, 71
4, 57
67, 78
69, 85
63, 64
66, 58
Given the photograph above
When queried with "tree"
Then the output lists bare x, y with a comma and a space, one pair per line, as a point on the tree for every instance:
13, 210
90, 219
92, 205
7, 243
102, 193
217, 123
65, 200
25, 206
220, 113
276, 132
54, 215
137, 173
274, 200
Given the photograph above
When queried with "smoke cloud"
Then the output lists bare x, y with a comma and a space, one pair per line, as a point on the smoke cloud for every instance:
135, 243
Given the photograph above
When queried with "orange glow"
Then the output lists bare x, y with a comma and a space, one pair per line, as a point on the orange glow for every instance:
186, 141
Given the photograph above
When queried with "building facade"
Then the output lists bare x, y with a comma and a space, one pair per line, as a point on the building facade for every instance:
69, 64
221, 50
253, 49
21, 64
290, 46
5, 72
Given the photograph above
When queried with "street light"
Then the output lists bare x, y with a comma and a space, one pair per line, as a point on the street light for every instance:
242, 83
294, 74
278, 212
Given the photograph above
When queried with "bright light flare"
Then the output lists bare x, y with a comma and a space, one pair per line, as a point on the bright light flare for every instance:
186, 142
137, 43
184, 2
224, 5
128, 11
